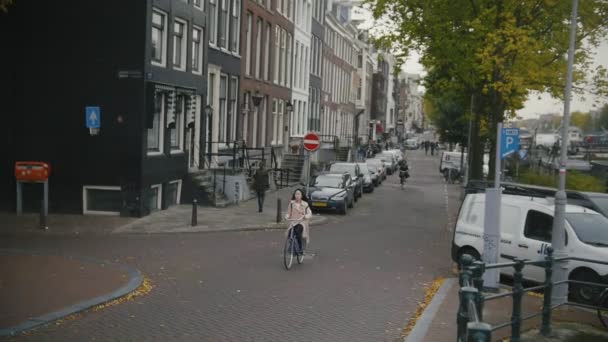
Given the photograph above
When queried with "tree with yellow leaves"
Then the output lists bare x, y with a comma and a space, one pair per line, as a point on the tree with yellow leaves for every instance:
497, 50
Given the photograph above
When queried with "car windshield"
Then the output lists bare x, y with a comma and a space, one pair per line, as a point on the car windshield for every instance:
602, 203
343, 168
590, 228
328, 182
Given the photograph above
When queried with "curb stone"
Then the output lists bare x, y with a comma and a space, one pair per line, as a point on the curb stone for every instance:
135, 280
423, 324
205, 229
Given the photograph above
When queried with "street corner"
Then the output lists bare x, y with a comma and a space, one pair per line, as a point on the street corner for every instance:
38, 289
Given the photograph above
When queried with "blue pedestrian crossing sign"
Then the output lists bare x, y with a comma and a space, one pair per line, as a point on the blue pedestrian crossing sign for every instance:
93, 117
509, 143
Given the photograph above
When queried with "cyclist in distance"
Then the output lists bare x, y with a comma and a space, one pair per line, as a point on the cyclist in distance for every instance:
298, 209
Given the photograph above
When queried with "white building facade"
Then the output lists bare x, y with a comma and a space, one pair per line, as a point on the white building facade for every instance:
298, 125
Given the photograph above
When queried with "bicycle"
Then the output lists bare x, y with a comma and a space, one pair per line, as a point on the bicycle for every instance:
292, 246
602, 311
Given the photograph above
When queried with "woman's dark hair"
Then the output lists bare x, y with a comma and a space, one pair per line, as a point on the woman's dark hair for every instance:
304, 198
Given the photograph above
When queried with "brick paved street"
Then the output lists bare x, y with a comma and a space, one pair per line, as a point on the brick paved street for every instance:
363, 283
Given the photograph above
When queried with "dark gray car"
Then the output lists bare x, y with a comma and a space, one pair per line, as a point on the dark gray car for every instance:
355, 172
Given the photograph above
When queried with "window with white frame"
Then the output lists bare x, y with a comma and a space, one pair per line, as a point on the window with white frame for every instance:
197, 50
154, 198
223, 108
288, 61
248, 52
232, 107
267, 53
235, 26
223, 24
101, 200
176, 130
282, 109
158, 42
275, 122
155, 130
213, 22
296, 60
277, 55
199, 4
283, 58
174, 192
179, 44
258, 49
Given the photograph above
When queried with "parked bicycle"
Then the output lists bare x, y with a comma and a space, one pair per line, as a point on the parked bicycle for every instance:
292, 247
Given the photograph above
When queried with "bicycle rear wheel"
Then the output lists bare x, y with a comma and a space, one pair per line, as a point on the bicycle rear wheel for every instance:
288, 252
300, 257
602, 312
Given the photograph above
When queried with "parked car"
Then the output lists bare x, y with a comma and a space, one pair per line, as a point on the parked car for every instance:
526, 226
355, 172
370, 178
400, 156
411, 144
390, 159
332, 191
379, 167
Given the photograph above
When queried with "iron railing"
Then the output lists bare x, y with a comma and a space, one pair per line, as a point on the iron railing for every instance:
235, 155
471, 327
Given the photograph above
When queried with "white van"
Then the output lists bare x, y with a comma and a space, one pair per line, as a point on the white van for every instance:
526, 225
451, 160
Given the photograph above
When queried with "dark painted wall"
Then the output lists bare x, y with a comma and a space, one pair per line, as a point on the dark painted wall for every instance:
61, 62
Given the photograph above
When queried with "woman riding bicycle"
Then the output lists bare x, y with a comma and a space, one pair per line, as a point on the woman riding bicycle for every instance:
299, 212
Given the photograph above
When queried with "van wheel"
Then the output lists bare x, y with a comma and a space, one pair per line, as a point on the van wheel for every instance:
470, 251
584, 294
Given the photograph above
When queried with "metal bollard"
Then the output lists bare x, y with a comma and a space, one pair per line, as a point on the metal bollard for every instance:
194, 213
545, 329
278, 210
43, 217
518, 294
479, 332
466, 294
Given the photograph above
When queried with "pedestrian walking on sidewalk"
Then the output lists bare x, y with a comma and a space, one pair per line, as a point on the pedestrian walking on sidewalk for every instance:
433, 146
426, 148
261, 184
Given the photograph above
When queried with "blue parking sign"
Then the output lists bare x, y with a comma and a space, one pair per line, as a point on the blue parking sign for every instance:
509, 141
93, 117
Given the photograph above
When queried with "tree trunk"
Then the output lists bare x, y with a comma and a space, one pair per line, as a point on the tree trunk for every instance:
476, 148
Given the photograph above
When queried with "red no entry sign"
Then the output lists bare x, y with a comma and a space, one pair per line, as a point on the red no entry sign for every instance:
311, 142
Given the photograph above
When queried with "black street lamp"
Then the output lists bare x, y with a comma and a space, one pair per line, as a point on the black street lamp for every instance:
289, 107
257, 98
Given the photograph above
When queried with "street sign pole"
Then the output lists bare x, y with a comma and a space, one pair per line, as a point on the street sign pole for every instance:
311, 143
307, 171
560, 292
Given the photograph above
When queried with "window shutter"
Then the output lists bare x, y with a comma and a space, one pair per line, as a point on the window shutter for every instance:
171, 109
191, 111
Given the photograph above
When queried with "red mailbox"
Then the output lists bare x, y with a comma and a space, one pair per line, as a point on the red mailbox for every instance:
31, 171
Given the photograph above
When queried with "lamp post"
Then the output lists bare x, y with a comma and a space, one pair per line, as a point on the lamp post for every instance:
289, 109
560, 292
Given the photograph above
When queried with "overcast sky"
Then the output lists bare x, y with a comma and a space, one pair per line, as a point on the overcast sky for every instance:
537, 103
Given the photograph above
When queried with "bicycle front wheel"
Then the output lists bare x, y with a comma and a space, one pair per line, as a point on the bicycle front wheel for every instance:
288, 251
